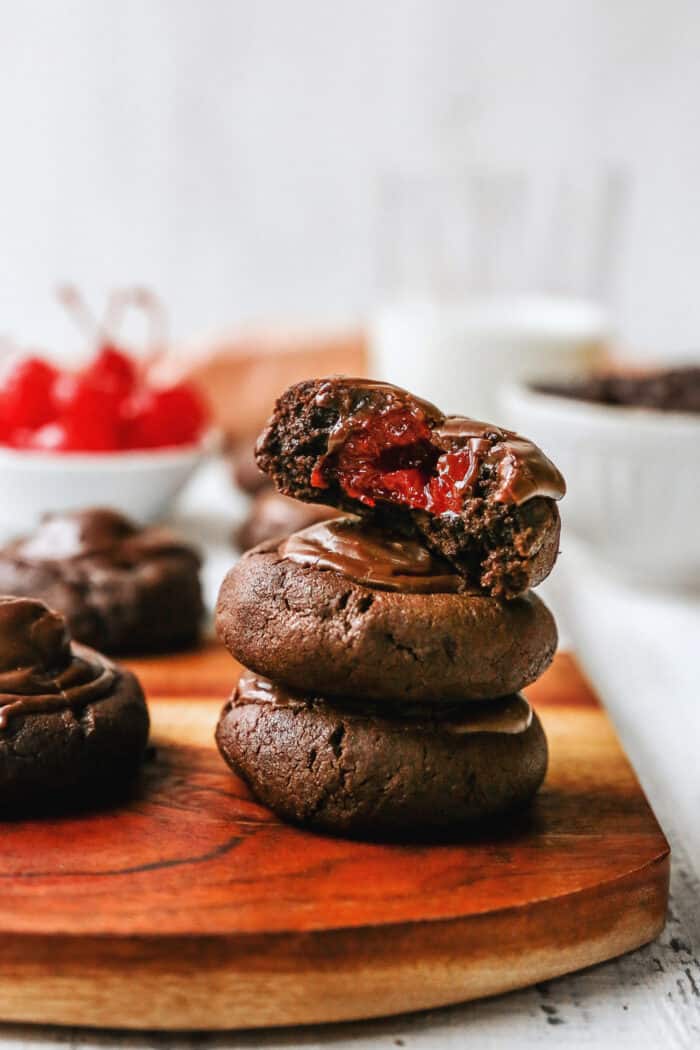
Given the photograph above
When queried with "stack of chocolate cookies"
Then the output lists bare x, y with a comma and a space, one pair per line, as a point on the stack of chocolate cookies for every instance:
384, 651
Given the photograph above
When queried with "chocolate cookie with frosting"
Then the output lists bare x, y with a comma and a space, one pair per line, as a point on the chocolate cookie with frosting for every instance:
122, 589
71, 721
481, 497
345, 609
342, 766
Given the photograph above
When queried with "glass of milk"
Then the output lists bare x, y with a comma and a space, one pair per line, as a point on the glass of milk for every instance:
491, 277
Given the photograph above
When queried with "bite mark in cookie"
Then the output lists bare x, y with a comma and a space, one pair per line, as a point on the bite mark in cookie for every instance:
481, 496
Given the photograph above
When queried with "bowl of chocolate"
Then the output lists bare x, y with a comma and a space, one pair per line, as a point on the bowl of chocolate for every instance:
385, 650
629, 445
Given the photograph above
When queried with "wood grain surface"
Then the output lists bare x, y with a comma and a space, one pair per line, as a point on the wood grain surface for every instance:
191, 906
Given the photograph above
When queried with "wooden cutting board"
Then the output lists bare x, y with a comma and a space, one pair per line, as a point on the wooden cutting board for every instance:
191, 906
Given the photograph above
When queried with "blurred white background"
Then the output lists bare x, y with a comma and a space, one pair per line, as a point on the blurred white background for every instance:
229, 153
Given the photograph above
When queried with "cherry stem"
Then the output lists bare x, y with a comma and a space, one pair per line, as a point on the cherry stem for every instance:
121, 300
72, 300
118, 304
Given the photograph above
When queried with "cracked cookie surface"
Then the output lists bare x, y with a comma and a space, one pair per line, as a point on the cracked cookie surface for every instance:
320, 632
51, 756
338, 766
122, 589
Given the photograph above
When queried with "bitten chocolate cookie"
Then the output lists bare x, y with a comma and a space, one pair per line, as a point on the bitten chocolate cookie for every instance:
480, 496
344, 609
70, 721
341, 767
120, 587
272, 514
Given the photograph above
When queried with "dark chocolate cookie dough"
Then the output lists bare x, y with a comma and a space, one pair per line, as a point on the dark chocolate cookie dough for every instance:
72, 724
342, 609
121, 588
480, 496
340, 767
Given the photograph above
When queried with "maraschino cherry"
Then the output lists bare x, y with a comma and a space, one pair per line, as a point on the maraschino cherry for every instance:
108, 406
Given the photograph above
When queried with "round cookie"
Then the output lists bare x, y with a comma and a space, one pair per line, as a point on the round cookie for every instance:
341, 767
121, 588
392, 624
72, 724
272, 514
480, 496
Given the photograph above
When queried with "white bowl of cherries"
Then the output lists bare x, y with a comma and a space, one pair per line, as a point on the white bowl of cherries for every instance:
105, 435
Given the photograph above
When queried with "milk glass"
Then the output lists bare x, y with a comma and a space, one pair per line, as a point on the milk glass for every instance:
487, 277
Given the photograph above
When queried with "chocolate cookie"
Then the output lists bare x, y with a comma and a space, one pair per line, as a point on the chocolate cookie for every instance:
340, 767
272, 514
70, 721
344, 609
120, 587
480, 496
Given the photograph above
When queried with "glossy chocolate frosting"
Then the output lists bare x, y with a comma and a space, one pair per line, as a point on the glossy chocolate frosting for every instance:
254, 689
96, 533
371, 556
521, 469
39, 669
364, 393
510, 714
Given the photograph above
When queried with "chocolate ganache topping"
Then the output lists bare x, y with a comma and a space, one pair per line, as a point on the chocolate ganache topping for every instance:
372, 557
511, 714
39, 669
357, 397
521, 468
96, 534
254, 689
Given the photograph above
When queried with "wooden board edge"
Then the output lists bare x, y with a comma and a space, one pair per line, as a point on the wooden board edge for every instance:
291, 979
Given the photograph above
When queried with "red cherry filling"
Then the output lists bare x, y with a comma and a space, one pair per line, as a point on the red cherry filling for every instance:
390, 456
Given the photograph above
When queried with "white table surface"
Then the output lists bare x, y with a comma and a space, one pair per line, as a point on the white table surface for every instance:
642, 651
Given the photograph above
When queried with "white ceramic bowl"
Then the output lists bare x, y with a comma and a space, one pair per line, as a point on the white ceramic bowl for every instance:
141, 484
456, 354
633, 481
